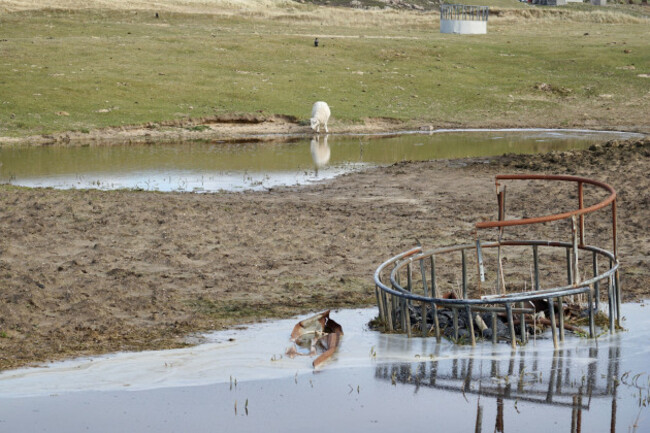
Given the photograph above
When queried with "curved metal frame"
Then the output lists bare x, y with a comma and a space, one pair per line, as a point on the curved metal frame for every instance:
396, 297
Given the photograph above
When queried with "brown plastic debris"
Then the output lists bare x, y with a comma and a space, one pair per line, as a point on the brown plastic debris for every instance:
316, 332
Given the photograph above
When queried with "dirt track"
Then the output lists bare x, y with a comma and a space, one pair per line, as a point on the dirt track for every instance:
86, 272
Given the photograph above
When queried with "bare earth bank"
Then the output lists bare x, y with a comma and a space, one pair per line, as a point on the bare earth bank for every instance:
87, 272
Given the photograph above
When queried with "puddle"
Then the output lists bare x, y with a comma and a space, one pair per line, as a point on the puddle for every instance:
208, 167
239, 381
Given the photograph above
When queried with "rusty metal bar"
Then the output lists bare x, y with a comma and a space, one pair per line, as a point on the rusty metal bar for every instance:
556, 217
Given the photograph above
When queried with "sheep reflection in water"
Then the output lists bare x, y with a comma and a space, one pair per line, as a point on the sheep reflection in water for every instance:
320, 151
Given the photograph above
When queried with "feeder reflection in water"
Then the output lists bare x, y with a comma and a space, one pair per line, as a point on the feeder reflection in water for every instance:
531, 377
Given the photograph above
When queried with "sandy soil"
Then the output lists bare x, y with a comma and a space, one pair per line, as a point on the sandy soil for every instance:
87, 272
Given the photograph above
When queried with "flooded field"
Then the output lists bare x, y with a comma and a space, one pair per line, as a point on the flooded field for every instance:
239, 380
214, 166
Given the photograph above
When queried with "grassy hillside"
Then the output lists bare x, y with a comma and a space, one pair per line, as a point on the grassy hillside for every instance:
79, 67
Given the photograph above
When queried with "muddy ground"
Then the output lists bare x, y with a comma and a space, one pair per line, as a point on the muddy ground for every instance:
88, 272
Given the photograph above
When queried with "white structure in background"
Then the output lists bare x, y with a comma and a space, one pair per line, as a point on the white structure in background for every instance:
463, 19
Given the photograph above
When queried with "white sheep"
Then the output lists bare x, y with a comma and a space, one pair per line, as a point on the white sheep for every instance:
320, 114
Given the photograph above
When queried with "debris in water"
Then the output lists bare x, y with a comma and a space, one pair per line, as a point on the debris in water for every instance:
318, 331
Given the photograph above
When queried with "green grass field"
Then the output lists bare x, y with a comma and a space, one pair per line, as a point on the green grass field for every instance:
81, 69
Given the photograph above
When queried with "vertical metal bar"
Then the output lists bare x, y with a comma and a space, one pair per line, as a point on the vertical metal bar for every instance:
617, 292
433, 277
560, 312
551, 313
575, 269
581, 205
511, 326
522, 325
462, 252
409, 287
610, 296
390, 312
479, 260
424, 279
569, 275
494, 328
423, 321
407, 315
380, 304
591, 315
435, 321
536, 260
470, 325
597, 283
455, 315
614, 230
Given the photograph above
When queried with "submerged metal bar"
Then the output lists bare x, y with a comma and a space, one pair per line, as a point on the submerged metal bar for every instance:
495, 335
455, 315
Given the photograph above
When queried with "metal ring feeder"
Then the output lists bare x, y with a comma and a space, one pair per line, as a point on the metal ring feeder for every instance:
394, 299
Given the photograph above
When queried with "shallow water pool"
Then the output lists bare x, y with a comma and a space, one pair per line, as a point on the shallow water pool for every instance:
240, 381
214, 166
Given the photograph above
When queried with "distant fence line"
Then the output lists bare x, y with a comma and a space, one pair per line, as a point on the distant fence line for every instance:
464, 12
